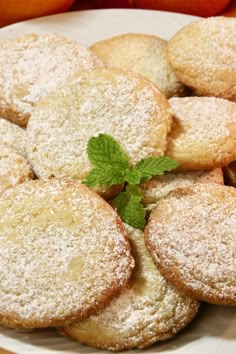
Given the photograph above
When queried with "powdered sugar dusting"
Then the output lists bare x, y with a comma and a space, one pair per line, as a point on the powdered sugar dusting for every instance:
203, 55
204, 118
143, 54
191, 236
33, 65
14, 169
13, 136
214, 43
203, 132
63, 253
147, 311
98, 101
159, 186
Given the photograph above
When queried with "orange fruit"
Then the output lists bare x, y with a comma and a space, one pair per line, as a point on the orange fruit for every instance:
230, 10
193, 7
98, 4
13, 11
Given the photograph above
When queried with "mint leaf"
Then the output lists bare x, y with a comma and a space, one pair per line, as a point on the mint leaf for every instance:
134, 192
103, 177
133, 176
130, 209
111, 166
155, 166
103, 151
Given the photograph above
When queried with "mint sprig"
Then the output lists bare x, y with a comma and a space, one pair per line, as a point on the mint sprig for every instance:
154, 166
111, 166
129, 207
104, 152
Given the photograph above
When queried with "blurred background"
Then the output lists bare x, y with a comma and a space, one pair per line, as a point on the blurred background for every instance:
12, 11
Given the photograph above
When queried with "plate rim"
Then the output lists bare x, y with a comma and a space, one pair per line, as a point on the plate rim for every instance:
107, 10
44, 20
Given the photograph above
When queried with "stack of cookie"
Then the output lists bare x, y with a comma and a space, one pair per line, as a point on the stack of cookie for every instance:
67, 260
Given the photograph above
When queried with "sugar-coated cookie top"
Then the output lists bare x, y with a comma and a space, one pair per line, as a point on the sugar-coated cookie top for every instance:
148, 310
111, 101
63, 253
33, 65
203, 56
158, 187
14, 168
203, 132
144, 54
13, 136
191, 237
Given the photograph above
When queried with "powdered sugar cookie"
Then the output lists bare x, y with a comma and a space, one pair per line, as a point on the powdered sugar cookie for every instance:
148, 310
110, 101
63, 253
14, 169
158, 187
33, 65
203, 56
203, 134
143, 54
13, 136
191, 238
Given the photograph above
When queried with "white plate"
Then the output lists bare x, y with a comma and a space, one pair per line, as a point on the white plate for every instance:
91, 26
214, 329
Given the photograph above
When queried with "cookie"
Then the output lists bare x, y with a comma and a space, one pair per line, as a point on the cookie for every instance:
203, 134
203, 56
148, 310
33, 65
64, 253
158, 187
14, 168
110, 101
13, 136
143, 54
230, 174
191, 238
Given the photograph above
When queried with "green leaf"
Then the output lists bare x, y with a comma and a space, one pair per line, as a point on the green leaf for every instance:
103, 177
133, 176
155, 166
134, 192
111, 166
130, 209
103, 151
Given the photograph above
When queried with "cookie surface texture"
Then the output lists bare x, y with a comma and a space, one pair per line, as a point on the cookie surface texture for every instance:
109, 101
14, 168
13, 136
203, 56
143, 54
158, 187
64, 253
191, 238
203, 134
33, 65
148, 310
